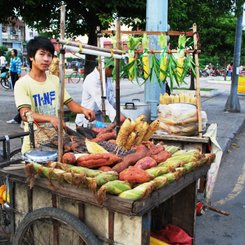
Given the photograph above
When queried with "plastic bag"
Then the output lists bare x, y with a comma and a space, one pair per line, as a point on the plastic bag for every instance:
180, 119
173, 234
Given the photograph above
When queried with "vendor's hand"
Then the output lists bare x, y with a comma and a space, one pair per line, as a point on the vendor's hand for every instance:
122, 118
89, 114
55, 122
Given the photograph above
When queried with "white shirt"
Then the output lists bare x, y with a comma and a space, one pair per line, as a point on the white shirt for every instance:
91, 98
2, 61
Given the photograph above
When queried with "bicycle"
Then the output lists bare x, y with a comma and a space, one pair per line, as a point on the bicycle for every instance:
5, 80
75, 77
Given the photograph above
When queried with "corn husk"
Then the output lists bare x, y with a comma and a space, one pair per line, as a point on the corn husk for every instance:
114, 187
139, 192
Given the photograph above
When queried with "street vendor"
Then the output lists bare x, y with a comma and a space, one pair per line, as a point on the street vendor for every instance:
38, 91
92, 99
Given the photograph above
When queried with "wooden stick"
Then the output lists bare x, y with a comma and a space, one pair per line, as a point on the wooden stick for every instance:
102, 87
118, 39
62, 87
216, 210
198, 97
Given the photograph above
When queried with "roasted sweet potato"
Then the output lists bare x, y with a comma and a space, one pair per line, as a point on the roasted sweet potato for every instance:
97, 160
134, 175
161, 156
105, 168
131, 159
155, 149
69, 158
105, 136
145, 163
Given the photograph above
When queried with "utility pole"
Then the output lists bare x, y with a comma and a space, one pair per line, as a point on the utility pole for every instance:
232, 103
156, 20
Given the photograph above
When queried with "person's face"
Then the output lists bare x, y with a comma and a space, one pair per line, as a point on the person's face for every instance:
42, 60
108, 71
12, 53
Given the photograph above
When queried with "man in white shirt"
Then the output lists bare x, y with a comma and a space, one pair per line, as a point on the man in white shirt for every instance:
91, 97
3, 61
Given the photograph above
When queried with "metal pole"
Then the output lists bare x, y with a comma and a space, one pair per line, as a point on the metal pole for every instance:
232, 103
62, 86
156, 20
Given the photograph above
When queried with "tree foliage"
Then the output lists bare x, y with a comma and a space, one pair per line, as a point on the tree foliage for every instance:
214, 18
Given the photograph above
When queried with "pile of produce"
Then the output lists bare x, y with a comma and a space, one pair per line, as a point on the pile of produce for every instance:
177, 98
133, 174
145, 63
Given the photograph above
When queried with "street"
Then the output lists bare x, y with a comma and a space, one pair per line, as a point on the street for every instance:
229, 195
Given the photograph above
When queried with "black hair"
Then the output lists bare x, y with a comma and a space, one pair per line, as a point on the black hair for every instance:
36, 43
15, 52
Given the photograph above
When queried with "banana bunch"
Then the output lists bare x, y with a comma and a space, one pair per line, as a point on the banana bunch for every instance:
177, 98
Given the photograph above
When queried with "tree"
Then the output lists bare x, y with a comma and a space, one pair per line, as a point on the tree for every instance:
3, 50
83, 17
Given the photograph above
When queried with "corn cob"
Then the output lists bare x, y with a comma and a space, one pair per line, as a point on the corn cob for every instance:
160, 181
105, 177
124, 132
130, 140
93, 147
54, 174
114, 187
100, 179
131, 62
77, 169
132, 43
141, 132
171, 148
162, 42
181, 54
151, 129
139, 192
145, 56
181, 158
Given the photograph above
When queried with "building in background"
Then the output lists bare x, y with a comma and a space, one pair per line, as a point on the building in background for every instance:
15, 34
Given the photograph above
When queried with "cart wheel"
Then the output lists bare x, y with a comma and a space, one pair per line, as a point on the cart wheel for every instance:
50, 225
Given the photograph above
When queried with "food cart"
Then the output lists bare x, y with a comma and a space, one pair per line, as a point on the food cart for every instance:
54, 206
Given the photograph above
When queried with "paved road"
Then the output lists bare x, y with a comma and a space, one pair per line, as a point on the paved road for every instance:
229, 195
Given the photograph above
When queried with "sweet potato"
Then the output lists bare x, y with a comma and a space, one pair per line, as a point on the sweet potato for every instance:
105, 168
134, 175
145, 163
69, 158
161, 156
97, 160
105, 136
155, 149
131, 159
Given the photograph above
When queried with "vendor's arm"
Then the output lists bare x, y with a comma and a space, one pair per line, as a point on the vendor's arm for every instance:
76, 108
40, 118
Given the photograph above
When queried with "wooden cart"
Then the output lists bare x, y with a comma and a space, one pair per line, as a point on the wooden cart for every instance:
118, 221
